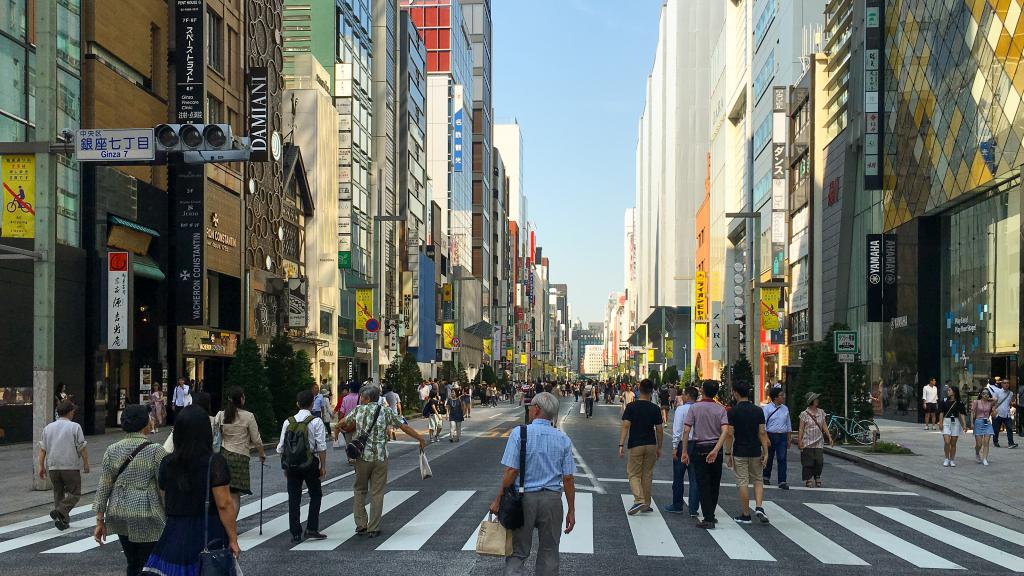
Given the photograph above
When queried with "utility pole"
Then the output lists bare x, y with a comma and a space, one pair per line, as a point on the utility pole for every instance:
44, 269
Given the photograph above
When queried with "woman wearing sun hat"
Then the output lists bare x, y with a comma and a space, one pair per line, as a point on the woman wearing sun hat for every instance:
811, 440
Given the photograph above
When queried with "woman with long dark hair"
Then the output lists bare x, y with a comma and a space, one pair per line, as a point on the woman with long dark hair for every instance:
953, 423
981, 414
239, 435
193, 510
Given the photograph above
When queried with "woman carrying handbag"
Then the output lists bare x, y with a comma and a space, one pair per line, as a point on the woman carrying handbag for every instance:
200, 534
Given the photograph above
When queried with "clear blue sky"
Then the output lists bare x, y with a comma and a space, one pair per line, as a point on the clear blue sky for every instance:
574, 73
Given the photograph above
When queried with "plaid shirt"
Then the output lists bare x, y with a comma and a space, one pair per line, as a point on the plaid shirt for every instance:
131, 504
377, 443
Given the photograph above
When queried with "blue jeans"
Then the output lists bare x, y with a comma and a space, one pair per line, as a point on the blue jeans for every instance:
778, 446
681, 471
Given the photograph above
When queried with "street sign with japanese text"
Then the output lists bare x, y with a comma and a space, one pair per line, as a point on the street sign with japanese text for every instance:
103, 145
845, 342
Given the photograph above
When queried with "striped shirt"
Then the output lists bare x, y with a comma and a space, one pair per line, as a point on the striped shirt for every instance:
377, 442
813, 438
548, 456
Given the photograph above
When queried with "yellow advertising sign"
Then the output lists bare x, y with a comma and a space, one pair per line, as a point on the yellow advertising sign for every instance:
446, 292
508, 354
522, 359
700, 336
18, 183
770, 308
448, 335
650, 355
364, 307
488, 347
670, 347
700, 309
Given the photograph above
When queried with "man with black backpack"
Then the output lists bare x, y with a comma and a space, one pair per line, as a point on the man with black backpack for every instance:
303, 450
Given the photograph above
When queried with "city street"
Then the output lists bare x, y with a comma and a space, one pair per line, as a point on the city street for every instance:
859, 523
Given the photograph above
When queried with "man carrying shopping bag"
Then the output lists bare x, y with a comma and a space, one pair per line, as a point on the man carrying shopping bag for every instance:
549, 471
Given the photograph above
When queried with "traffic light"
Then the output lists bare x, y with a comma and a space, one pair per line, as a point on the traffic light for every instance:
202, 143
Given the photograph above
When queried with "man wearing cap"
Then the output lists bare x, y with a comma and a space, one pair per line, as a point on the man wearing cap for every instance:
549, 471
61, 452
133, 464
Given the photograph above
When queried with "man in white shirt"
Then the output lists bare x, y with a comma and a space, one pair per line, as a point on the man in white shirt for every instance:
424, 394
311, 473
930, 396
1003, 398
62, 451
180, 399
681, 470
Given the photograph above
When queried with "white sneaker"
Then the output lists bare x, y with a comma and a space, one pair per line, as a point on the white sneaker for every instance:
984, 462
952, 463
945, 462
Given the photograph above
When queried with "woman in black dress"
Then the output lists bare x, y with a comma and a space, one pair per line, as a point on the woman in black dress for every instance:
183, 479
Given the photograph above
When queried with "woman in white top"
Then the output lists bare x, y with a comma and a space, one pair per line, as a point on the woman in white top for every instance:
239, 436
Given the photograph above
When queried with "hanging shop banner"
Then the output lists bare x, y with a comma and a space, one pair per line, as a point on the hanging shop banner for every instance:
874, 56
700, 337
508, 355
18, 178
670, 348
446, 292
701, 300
258, 136
189, 60
488, 347
890, 275
190, 244
874, 270
448, 335
770, 308
364, 307
650, 354
119, 318
457, 127
297, 303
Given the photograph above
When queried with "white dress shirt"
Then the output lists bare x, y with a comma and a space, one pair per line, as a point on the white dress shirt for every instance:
179, 395
677, 424
317, 433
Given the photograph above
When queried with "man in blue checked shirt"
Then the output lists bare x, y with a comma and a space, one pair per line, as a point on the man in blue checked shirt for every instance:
778, 426
549, 471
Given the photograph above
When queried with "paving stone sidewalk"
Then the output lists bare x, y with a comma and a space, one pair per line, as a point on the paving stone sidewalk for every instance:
996, 486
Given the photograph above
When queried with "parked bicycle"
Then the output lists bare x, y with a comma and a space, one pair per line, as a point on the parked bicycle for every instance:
862, 432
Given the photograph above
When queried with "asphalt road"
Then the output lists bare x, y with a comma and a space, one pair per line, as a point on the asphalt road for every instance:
859, 523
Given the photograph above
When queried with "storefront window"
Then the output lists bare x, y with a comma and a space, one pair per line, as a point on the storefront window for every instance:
981, 265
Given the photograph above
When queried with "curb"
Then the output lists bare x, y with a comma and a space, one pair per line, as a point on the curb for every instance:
889, 470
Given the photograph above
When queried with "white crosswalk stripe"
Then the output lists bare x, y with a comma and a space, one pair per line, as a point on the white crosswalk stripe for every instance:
341, 532
279, 525
650, 532
653, 535
989, 528
417, 531
812, 541
244, 512
41, 520
886, 540
950, 538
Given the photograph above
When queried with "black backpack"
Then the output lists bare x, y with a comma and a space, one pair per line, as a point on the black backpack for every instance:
297, 457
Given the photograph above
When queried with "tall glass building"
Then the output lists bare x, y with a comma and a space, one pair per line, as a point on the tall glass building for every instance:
954, 125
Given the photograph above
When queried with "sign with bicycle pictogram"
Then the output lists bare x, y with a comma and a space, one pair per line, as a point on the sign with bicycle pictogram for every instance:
18, 183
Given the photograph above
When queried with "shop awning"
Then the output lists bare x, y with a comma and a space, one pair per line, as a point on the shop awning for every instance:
352, 280
483, 329
133, 226
146, 267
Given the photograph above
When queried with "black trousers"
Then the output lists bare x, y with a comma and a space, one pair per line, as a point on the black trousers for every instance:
709, 478
311, 479
136, 553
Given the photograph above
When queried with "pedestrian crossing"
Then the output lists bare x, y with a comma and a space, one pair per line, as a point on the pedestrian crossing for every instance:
827, 534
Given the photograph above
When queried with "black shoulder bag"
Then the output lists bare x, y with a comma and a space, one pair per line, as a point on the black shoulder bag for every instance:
219, 561
510, 510
355, 448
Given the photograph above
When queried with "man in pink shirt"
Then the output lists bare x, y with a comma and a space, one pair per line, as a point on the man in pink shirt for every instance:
709, 423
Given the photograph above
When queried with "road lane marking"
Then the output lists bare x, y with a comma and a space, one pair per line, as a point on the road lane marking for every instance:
989, 528
950, 538
279, 525
244, 512
471, 543
340, 532
37, 537
812, 541
734, 540
417, 531
883, 539
41, 520
838, 490
581, 539
650, 532
332, 480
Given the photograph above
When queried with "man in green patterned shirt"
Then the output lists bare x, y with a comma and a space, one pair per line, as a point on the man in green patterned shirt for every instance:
372, 467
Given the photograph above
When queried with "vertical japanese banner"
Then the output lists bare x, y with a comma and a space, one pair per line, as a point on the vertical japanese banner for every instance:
119, 320
770, 308
448, 335
18, 177
488, 349
364, 307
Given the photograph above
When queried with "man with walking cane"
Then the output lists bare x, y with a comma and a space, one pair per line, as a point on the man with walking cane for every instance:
262, 466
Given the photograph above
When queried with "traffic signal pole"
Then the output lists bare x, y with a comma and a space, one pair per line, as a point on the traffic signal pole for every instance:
44, 269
